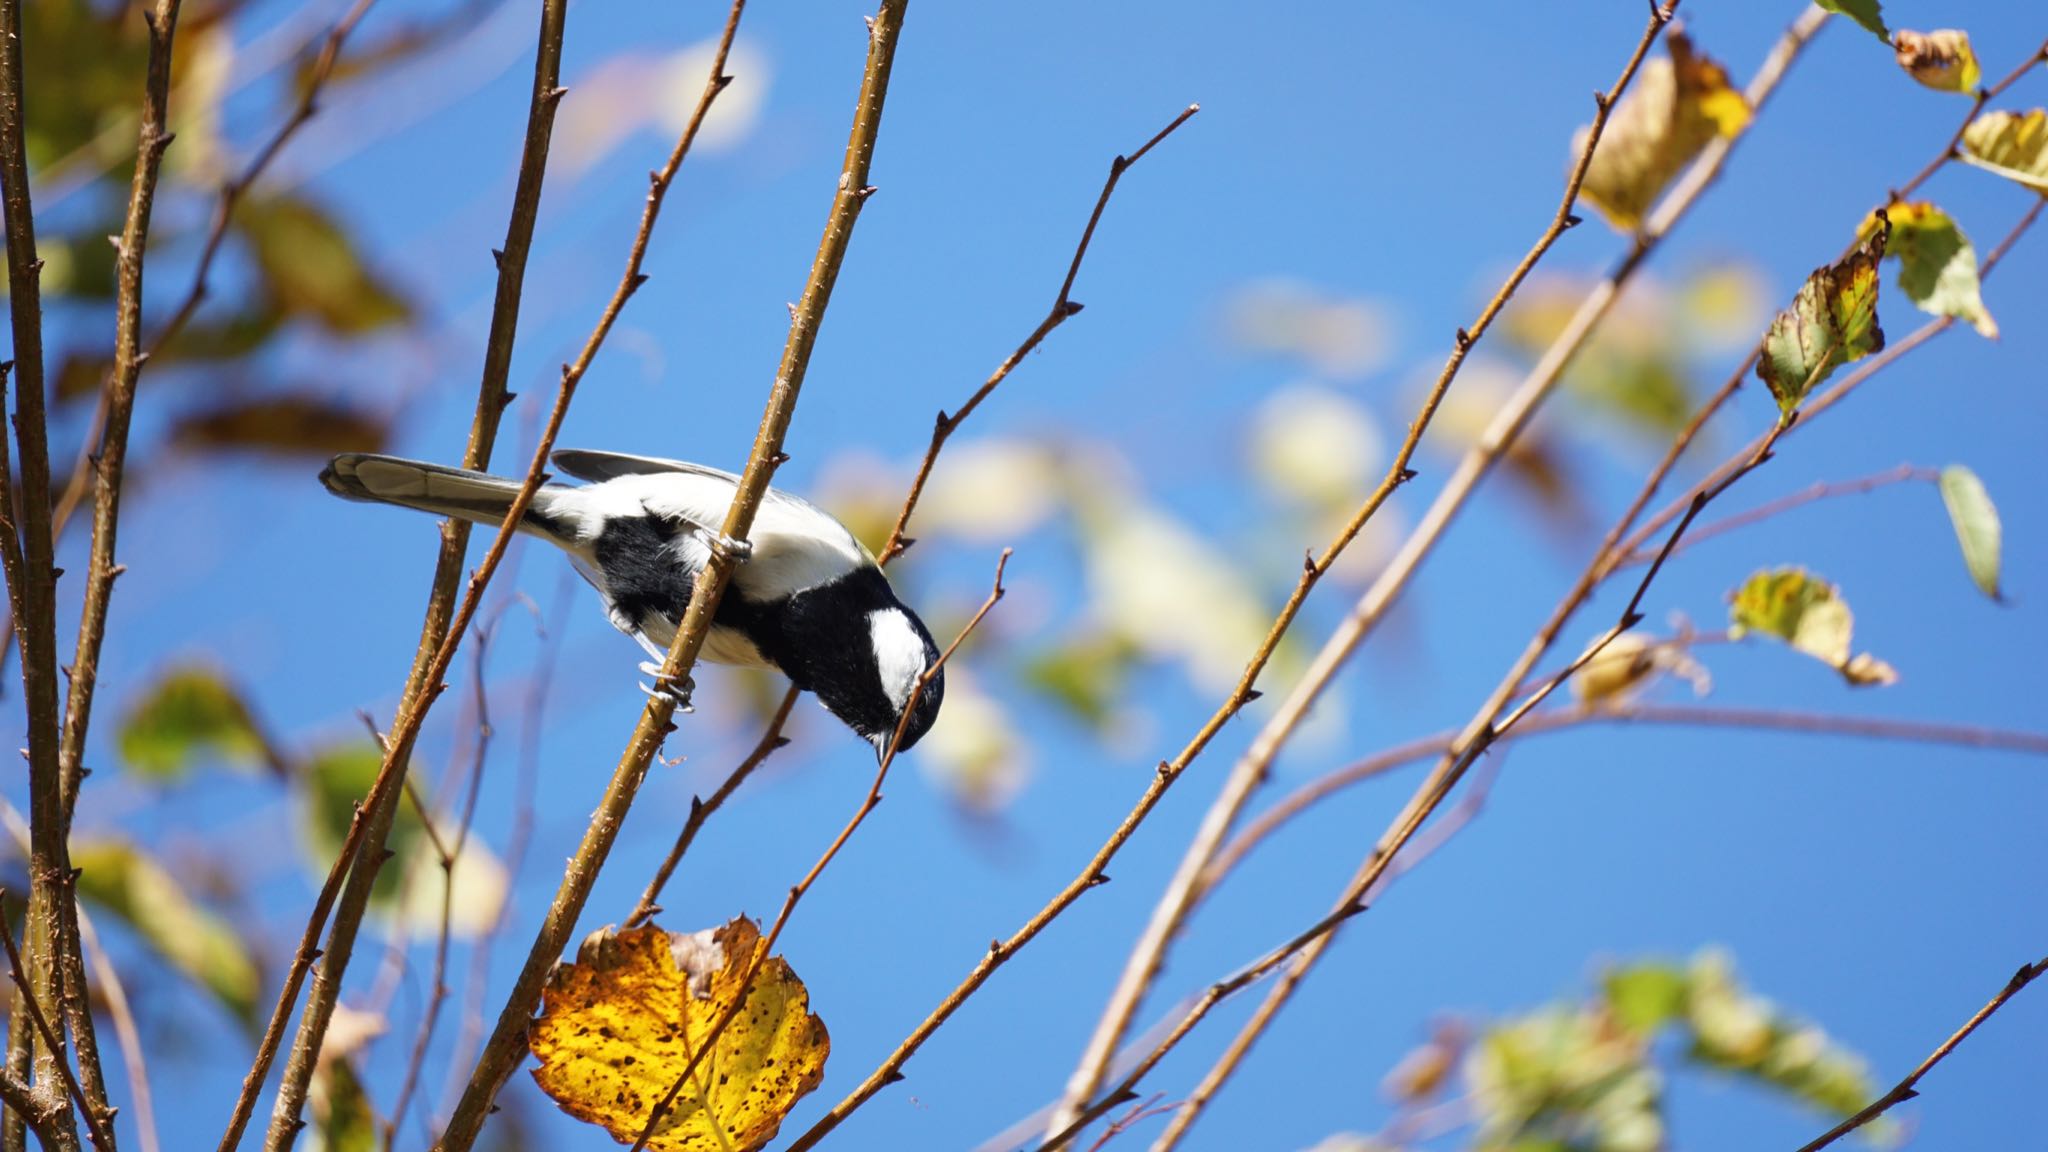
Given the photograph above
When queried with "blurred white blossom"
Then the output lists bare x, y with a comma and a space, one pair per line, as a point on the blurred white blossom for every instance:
1342, 338
637, 91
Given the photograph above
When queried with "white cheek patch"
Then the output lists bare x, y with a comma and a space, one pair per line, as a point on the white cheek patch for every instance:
899, 654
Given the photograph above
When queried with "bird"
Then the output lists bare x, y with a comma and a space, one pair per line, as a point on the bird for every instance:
806, 599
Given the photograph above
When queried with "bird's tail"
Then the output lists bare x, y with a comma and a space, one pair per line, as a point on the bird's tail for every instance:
444, 491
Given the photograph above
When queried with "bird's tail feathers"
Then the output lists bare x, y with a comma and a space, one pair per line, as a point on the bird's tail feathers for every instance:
441, 490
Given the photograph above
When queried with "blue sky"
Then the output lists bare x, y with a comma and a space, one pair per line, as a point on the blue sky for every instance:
1402, 155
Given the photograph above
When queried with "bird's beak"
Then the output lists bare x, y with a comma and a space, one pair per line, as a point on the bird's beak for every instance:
881, 743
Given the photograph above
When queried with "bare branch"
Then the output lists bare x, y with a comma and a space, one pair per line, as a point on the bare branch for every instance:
1905, 1089
506, 1046
1178, 901
95, 1124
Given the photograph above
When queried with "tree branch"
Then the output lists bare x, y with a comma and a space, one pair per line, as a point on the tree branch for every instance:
943, 428
439, 634
95, 1123
1905, 1089
1177, 902
506, 1046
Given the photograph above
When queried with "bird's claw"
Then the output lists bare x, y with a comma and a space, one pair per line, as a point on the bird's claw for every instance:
738, 551
678, 692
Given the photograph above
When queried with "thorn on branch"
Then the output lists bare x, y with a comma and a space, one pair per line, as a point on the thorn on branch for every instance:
1406, 475
995, 947
1071, 308
498, 259
1600, 101
1631, 620
863, 194
904, 544
1464, 339
1165, 770
1117, 166
1308, 562
639, 278
553, 95
895, 1076
1098, 880
1573, 220
1250, 695
723, 82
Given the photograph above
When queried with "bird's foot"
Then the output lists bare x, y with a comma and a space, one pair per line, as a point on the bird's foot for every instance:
678, 692
738, 551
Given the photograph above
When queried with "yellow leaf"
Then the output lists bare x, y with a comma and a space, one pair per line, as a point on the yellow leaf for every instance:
1941, 59
618, 1026
2012, 144
1678, 106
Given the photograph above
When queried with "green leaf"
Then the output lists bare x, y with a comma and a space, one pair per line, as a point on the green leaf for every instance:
1976, 523
1937, 265
118, 877
1868, 13
1942, 60
1806, 612
189, 714
1085, 676
1644, 997
336, 780
2012, 144
313, 268
1832, 322
288, 424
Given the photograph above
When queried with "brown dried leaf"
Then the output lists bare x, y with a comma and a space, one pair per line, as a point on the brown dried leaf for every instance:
1677, 107
289, 424
618, 1026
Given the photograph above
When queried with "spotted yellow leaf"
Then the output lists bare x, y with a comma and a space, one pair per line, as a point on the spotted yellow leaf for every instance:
1832, 322
2012, 144
618, 1027
1678, 105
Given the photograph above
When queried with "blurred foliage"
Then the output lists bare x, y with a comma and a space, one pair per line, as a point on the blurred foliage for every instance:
336, 779
1590, 1076
1793, 605
189, 715
1937, 265
2012, 144
122, 879
343, 1120
1678, 105
1942, 59
292, 424
1975, 520
618, 1027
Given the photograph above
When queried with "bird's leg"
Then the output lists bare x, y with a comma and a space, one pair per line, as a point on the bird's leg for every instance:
678, 692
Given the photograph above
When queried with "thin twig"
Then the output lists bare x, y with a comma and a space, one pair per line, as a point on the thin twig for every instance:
439, 632
1905, 1089
1829, 490
1262, 827
506, 1046
1488, 725
93, 1121
532, 711
853, 823
942, 429
1147, 956
446, 855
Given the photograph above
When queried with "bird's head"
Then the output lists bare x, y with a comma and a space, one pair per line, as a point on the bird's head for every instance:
903, 652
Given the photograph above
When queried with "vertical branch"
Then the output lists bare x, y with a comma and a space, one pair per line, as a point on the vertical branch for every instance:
373, 817
444, 625
507, 1044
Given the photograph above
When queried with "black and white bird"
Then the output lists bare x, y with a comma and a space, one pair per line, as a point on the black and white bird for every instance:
808, 601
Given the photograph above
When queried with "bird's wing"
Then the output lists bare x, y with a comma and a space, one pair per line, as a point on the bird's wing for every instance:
796, 544
596, 467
